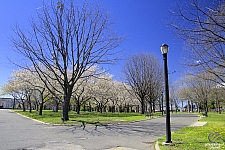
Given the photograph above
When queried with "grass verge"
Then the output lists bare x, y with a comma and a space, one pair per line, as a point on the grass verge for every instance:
86, 117
196, 138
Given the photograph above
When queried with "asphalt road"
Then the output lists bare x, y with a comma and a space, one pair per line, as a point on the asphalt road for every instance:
20, 133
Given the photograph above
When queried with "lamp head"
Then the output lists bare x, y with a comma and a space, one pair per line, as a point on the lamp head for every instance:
164, 48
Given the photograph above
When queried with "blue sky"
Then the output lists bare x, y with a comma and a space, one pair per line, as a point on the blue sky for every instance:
142, 22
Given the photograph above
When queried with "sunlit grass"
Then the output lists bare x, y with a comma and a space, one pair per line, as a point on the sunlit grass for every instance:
196, 138
86, 117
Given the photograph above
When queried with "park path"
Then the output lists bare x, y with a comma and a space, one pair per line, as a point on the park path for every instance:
20, 133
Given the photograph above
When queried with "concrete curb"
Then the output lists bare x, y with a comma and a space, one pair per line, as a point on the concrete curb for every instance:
157, 146
198, 124
29, 118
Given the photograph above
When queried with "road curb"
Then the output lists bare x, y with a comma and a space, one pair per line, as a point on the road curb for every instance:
157, 146
29, 118
198, 124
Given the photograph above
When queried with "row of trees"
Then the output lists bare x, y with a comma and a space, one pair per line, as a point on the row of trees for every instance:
203, 93
102, 92
99, 91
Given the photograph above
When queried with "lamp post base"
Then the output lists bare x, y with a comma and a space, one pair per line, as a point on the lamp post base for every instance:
166, 143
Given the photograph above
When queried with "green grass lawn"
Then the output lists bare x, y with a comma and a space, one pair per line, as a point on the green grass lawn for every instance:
196, 138
87, 117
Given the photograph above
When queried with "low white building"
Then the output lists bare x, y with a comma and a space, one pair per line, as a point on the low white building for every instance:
6, 102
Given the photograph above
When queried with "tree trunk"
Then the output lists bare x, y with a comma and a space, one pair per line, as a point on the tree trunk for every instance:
142, 106
90, 108
65, 115
23, 104
188, 106
101, 110
206, 107
150, 107
171, 107
84, 107
128, 108
138, 109
30, 106
219, 110
41, 108
29, 101
160, 107
14, 101
153, 106
182, 107
113, 108
41, 104
37, 107
55, 105
100, 107
198, 107
218, 105
78, 108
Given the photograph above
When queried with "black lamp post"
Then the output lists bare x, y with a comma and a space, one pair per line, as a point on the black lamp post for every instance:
164, 49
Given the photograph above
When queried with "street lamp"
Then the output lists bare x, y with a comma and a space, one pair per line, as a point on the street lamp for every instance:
164, 49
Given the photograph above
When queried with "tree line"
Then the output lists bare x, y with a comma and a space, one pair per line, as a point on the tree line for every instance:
93, 93
205, 94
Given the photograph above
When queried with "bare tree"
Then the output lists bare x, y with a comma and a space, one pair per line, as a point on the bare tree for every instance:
217, 97
66, 40
142, 74
201, 24
184, 93
197, 89
155, 83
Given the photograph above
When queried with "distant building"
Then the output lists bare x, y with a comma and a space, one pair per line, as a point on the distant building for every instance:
6, 102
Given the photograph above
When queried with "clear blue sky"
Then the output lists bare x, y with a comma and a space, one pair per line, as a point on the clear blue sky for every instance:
142, 22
